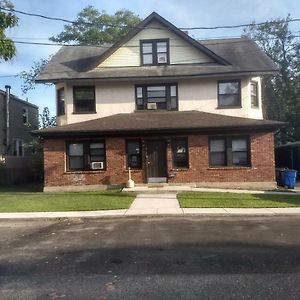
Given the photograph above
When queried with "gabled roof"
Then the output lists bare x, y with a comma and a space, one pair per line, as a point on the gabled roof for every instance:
230, 57
156, 17
158, 122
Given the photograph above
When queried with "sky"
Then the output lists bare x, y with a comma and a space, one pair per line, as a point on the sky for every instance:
182, 13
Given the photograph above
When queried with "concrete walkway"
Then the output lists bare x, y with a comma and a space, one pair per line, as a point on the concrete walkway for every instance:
149, 204
177, 189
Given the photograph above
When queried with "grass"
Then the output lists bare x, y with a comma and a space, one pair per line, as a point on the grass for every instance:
31, 199
230, 200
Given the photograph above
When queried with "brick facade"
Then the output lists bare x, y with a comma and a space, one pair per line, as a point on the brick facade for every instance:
261, 170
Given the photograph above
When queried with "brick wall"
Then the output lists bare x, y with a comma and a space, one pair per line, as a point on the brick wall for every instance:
55, 166
261, 170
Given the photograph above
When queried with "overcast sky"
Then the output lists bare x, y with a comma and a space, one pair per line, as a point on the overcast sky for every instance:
181, 13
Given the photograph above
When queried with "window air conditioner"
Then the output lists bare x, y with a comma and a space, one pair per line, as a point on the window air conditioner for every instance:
151, 106
162, 59
97, 165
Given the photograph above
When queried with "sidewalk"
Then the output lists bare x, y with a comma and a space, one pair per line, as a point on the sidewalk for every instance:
178, 189
155, 212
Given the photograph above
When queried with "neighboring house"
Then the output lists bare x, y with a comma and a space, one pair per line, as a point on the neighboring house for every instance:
288, 156
17, 120
171, 108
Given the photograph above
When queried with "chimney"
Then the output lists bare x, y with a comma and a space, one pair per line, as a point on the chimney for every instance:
186, 32
7, 88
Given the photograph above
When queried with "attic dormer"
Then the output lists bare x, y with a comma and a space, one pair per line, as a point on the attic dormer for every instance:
157, 42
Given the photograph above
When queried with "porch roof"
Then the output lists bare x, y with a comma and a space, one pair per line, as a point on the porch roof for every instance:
160, 122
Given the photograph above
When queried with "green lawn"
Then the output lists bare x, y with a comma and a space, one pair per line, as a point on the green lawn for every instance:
210, 199
29, 199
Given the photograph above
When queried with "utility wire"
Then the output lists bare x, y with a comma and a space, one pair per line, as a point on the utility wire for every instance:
203, 42
120, 26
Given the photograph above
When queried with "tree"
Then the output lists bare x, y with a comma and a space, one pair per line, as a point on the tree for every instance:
92, 27
29, 76
7, 20
281, 92
46, 119
89, 28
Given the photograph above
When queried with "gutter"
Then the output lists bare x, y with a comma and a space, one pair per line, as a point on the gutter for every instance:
171, 77
160, 131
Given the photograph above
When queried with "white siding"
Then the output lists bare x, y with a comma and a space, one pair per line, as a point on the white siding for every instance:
193, 94
181, 52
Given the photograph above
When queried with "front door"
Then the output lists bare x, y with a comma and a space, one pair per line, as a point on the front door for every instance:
156, 161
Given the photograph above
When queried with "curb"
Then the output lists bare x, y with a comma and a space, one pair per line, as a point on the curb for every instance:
224, 212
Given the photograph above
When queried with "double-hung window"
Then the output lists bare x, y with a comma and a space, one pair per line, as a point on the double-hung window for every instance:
60, 101
154, 52
229, 151
84, 99
156, 97
133, 151
254, 93
229, 94
18, 147
180, 153
25, 115
86, 156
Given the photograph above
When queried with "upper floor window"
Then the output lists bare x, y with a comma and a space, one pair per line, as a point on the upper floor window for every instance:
25, 115
155, 52
60, 105
18, 147
84, 99
254, 93
86, 156
157, 97
229, 151
229, 94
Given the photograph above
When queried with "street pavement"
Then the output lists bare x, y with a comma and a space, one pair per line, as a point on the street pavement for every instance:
182, 257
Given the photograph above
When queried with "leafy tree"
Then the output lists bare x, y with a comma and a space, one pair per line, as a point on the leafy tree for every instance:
46, 119
7, 20
91, 27
281, 92
29, 76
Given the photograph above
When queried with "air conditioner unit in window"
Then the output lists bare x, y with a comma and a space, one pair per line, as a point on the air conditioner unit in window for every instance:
162, 59
97, 165
151, 106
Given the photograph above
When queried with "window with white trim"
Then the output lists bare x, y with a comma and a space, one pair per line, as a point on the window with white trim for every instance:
18, 147
25, 115
254, 93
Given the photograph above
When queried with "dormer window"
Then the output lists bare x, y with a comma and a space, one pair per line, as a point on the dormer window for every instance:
155, 52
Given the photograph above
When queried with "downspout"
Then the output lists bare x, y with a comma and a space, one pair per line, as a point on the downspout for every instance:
7, 88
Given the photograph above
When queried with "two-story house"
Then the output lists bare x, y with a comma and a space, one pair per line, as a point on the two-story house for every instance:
17, 120
173, 109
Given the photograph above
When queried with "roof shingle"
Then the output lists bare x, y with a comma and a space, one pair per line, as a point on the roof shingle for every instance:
159, 122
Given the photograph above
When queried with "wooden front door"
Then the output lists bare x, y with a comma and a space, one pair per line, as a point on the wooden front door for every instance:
156, 161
